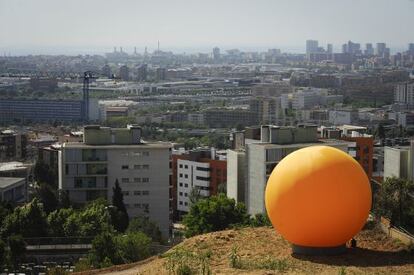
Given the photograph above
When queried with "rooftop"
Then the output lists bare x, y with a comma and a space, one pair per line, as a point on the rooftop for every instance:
115, 146
6, 182
327, 142
13, 165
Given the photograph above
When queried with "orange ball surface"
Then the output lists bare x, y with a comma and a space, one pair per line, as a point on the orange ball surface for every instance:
318, 196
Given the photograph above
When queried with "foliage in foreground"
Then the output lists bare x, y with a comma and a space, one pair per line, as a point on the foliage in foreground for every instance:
181, 261
236, 261
393, 200
109, 249
214, 214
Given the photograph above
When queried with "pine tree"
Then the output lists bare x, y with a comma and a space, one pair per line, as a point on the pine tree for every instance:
120, 216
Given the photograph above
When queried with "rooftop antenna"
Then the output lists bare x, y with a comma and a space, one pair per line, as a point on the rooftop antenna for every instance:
114, 49
158, 45
135, 50
120, 49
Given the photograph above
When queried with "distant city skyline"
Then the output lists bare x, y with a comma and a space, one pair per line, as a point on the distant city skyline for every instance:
55, 27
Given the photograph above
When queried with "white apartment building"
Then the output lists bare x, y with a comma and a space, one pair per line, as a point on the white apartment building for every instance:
259, 159
191, 175
404, 94
89, 169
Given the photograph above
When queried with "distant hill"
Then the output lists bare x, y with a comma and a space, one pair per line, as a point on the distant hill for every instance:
263, 251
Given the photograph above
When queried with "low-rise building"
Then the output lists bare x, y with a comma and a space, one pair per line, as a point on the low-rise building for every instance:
13, 189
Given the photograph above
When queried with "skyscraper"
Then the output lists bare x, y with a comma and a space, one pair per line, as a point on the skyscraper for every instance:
381, 49
312, 46
369, 49
329, 48
216, 53
411, 48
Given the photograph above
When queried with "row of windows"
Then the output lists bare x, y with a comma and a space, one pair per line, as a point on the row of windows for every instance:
138, 205
137, 193
185, 166
135, 154
185, 176
136, 167
185, 194
135, 180
181, 203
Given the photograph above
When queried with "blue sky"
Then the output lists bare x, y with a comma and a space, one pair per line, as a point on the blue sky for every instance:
196, 24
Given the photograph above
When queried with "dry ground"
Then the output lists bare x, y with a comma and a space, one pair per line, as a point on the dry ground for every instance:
376, 254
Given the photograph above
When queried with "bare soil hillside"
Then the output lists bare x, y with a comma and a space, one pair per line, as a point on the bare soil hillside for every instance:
263, 251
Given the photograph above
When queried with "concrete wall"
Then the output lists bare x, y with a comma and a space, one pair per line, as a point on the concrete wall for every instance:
236, 175
256, 178
395, 162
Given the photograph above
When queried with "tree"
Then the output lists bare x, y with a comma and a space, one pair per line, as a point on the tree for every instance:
149, 228
260, 220
119, 215
28, 220
104, 246
380, 131
43, 173
17, 249
94, 219
57, 220
47, 197
393, 200
3, 254
133, 247
214, 214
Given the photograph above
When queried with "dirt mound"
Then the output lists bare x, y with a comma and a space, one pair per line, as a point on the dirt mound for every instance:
263, 251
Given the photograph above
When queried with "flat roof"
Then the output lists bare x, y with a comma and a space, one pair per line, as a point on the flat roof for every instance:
118, 146
6, 182
13, 165
293, 145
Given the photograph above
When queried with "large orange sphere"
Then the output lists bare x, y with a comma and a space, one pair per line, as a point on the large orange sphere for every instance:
318, 196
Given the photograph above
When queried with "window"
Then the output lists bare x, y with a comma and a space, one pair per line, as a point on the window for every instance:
205, 169
181, 193
181, 184
137, 180
96, 169
67, 169
180, 202
145, 193
202, 178
181, 175
145, 179
137, 205
186, 166
145, 166
186, 203
186, 176
125, 180
125, 193
125, 167
186, 185
137, 166
181, 166
186, 194
137, 193
145, 153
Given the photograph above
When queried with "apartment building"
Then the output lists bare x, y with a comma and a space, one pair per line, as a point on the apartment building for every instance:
198, 172
88, 170
256, 162
12, 145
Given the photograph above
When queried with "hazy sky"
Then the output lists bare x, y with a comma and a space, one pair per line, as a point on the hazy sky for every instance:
181, 24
